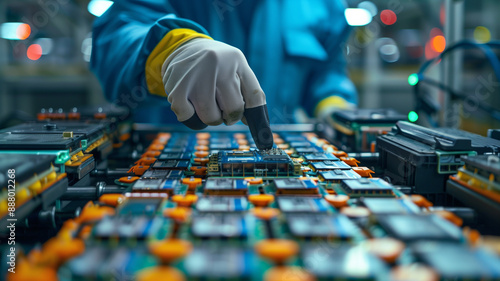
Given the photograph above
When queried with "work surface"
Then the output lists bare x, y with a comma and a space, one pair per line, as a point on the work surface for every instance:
174, 204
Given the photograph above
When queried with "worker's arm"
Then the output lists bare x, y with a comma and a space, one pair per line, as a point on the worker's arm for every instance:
123, 39
141, 49
329, 85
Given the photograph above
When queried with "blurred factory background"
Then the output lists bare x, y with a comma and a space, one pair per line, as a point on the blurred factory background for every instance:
45, 49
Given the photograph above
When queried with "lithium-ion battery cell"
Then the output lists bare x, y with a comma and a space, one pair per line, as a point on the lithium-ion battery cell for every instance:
381, 206
26, 141
225, 186
177, 149
168, 186
295, 186
454, 261
156, 174
91, 131
367, 187
171, 164
336, 176
294, 138
320, 225
227, 144
219, 263
219, 225
24, 165
269, 163
148, 184
127, 227
411, 228
135, 206
175, 174
330, 165
297, 144
308, 150
331, 262
175, 156
317, 157
222, 204
302, 204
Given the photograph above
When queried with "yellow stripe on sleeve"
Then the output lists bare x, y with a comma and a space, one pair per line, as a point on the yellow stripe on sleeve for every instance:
165, 47
331, 102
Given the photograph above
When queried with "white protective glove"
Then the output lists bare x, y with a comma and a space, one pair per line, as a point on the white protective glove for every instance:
211, 82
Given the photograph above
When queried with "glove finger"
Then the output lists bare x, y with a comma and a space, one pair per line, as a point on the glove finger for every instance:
195, 123
244, 120
179, 104
255, 108
258, 123
250, 87
230, 100
206, 107
185, 111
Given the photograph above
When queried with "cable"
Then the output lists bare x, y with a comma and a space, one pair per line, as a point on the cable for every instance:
490, 55
462, 96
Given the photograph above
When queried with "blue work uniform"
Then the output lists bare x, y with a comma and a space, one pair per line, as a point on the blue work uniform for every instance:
293, 46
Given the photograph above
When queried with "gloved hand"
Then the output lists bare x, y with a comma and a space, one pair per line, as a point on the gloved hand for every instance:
212, 81
329, 105
209, 82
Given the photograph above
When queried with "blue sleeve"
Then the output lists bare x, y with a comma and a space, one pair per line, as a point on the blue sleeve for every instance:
123, 38
330, 76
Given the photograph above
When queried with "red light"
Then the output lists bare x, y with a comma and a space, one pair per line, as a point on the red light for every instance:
388, 17
439, 43
34, 52
23, 31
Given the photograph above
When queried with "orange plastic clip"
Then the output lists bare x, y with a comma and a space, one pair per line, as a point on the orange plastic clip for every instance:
138, 170
201, 154
202, 161
199, 170
363, 171
350, 161
191, 182
145, 161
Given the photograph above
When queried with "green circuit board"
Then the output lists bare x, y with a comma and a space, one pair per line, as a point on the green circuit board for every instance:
209, 206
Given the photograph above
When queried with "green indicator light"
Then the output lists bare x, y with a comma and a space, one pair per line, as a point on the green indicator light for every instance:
413, 79
412, 116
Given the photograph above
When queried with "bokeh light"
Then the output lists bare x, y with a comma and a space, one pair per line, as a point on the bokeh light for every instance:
15, 30
99, 7
47, 44
412, 116
388, 17
388, 49
23, 31
413, 79
438, 43
357, 16
369, 6
34, 52
482, 34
